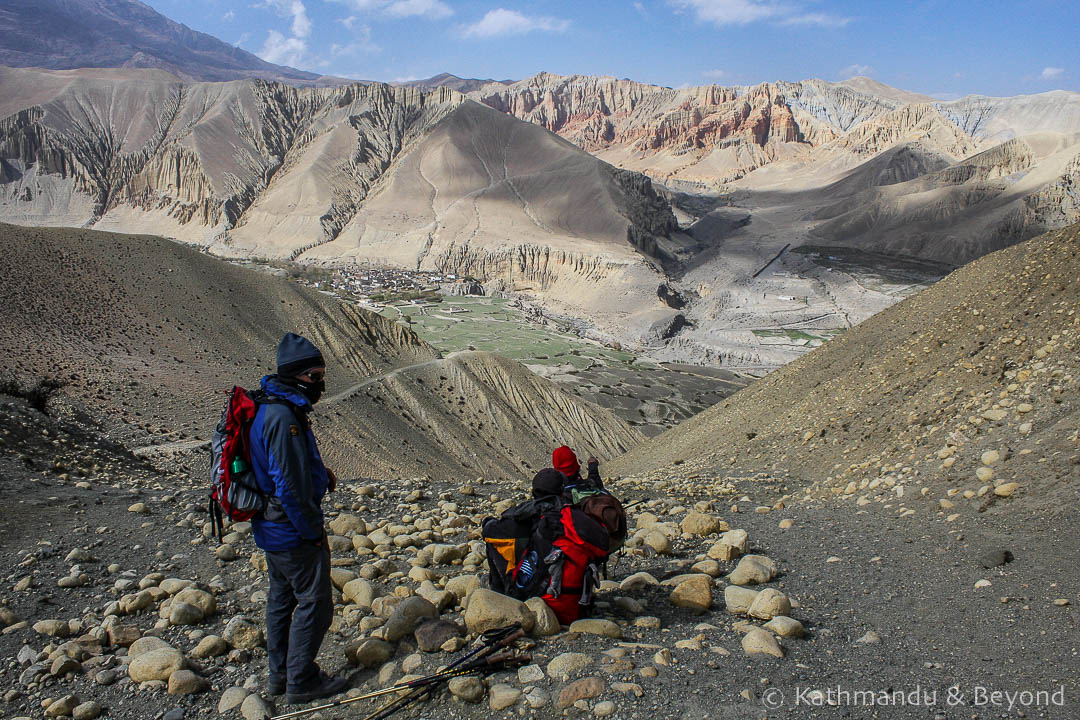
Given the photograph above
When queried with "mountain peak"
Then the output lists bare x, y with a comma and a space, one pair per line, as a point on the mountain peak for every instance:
449, 80
870, 86
68, 34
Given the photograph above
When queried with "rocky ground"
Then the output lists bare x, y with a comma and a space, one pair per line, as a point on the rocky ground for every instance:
116, 603
99, 619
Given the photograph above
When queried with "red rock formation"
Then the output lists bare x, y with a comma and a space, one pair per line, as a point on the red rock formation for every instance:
598, 113
602, 113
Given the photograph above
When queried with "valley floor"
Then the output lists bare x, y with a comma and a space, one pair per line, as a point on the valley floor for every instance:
763, 291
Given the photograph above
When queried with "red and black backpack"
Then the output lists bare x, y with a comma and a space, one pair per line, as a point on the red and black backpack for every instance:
548, 550
234, 492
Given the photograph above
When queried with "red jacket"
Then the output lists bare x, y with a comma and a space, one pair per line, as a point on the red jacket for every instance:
584, 541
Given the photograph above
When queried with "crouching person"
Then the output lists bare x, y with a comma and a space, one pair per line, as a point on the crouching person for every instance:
546, 548
290, 472
577, 488
508, 536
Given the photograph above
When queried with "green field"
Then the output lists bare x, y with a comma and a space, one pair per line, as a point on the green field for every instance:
493, 325
649, 395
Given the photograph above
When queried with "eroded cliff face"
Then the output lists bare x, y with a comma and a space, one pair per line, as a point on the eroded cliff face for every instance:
669, 131
910, 123
202, 155
261, 167
597, 112
1053, 206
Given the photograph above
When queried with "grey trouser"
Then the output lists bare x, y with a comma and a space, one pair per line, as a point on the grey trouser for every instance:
299, 609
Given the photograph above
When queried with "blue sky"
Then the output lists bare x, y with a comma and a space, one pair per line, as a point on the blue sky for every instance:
946, 48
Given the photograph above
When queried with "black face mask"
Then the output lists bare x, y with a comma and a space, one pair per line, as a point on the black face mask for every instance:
312, 390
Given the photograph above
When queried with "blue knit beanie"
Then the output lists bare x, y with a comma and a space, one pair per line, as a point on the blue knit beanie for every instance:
295, 354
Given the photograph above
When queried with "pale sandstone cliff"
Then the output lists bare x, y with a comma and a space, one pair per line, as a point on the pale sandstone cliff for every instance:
362, 173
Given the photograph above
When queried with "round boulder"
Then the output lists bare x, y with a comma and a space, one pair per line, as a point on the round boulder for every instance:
753, 570
694, 593
406, 616
769, 603
158, 664
696, 523
489, 610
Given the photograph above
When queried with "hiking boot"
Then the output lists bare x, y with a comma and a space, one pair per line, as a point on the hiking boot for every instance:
275, 686
323, 686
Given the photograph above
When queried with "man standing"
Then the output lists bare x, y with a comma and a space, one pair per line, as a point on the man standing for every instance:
291, 473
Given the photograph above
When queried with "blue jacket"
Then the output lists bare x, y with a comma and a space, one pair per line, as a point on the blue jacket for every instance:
288, 468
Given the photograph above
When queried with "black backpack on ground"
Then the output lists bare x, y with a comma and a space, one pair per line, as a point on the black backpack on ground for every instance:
518, 542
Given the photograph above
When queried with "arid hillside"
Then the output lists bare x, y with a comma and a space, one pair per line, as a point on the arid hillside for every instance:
545, 189
811, 143
141, 336
965, 392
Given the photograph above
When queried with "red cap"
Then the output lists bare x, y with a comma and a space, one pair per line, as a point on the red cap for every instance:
565, 461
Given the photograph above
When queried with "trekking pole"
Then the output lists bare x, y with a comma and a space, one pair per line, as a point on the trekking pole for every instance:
636, 502
419, 693
492, 640
472, 667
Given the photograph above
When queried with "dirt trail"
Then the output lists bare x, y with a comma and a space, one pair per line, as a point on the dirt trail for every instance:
346, 394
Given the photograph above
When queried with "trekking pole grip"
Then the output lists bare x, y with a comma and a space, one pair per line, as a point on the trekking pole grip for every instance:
510, 639
507, 658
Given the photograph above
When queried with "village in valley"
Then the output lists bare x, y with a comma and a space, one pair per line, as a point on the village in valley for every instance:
375, 287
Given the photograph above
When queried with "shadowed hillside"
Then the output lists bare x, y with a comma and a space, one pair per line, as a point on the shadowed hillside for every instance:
361, 173
142, 335
985, 360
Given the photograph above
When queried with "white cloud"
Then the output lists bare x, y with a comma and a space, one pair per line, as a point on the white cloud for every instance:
502, 22
728, 12
290, 50
228, 16
281, 50
361, 43
714, 74
855, 70
641, 9
743, 12
363, 5
429, 9
295, 9
1049, 73
820, 19
301, 26
349, 22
